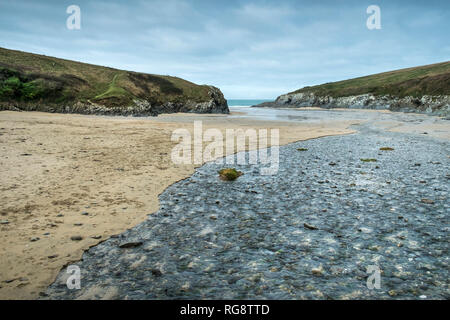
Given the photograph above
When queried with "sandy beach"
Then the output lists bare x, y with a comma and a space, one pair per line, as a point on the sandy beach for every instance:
91, 177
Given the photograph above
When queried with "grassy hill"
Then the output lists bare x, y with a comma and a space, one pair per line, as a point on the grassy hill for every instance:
431, 79
32, 79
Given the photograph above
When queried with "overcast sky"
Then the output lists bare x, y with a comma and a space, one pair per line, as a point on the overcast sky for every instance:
249, 49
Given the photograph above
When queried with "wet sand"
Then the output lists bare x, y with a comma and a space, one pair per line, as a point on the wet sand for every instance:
92, 177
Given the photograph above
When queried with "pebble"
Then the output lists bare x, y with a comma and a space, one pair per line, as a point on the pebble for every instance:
310, 227
157, 273
317, 271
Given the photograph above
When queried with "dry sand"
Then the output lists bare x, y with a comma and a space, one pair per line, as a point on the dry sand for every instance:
55, 167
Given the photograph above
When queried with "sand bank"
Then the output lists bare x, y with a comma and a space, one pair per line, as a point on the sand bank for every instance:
93, 177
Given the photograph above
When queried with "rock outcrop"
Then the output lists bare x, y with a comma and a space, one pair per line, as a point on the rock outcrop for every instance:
138, 108
422, 89
433, 105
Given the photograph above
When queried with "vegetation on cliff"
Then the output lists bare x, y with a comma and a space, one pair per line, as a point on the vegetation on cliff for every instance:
32, 79
430, 80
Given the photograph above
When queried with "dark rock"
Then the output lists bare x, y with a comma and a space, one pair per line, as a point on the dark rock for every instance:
127, 245
427, 201
157, 272
310, 227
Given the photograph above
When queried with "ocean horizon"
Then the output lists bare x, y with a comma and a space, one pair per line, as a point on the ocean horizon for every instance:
246, 102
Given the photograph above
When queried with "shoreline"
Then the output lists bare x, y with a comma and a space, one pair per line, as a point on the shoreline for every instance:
82, 176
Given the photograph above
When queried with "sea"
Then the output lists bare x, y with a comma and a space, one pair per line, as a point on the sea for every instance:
245, 102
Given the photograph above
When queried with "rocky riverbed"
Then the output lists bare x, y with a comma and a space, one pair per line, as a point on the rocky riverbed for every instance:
336, 206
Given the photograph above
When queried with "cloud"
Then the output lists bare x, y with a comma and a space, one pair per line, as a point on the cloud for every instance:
257, 49
265, 13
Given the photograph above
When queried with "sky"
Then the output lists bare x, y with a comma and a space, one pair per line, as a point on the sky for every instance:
249, 49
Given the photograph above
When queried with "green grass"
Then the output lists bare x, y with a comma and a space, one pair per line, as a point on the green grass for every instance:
32, 78
424, 80
113, 90
22, 89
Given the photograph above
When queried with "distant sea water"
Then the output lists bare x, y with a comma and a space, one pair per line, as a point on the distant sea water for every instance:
245, 102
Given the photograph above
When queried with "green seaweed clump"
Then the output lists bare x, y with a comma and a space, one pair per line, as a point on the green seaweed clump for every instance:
229, 174
368, 160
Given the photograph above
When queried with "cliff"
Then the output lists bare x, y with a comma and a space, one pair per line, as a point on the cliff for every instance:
32, 82
424, 89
